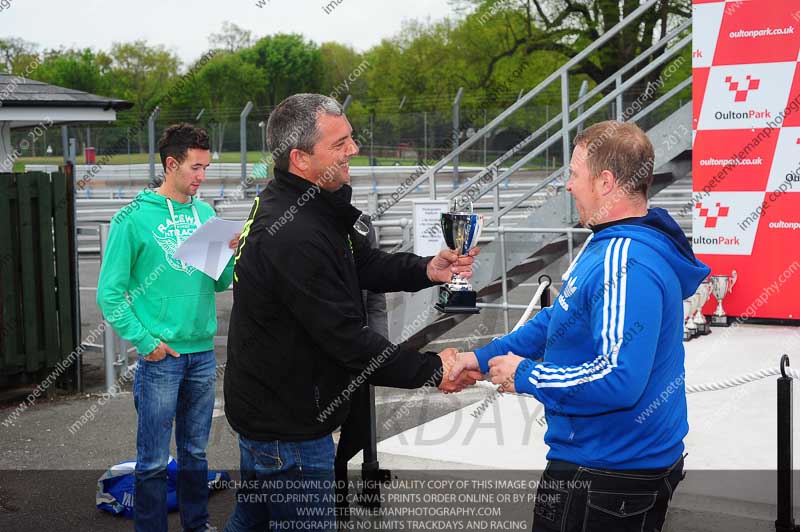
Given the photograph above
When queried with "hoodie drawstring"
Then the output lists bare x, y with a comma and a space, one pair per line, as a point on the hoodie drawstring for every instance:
174, 225
575, 260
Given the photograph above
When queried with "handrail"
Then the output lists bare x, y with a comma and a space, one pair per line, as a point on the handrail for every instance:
622, 71
513, 151
428, 174
581, 100
633, 79
517, 165
505, 210
547, 143
661, 99
572, 124
496, 181
552, 139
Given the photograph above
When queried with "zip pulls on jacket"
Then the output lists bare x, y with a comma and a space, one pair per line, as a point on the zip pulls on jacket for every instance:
175, 226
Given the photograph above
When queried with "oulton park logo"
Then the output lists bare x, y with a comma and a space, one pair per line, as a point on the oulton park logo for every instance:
711, 216
741, 91
711, 219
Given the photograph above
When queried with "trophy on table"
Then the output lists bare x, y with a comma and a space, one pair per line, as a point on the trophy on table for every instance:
721, 285
687, 317
461, 231
703, 293
689, 326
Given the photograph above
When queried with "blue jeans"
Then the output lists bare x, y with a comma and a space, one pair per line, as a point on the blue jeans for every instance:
181, 389
574, 498
285, 486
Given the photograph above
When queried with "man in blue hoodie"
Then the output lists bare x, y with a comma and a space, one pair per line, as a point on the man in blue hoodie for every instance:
610, 346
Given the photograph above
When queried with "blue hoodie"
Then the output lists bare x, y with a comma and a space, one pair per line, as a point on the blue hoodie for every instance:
612, 378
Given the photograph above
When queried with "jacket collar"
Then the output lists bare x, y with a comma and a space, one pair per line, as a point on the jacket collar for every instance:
335, 205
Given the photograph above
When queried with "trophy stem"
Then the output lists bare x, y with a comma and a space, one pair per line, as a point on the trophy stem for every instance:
719, 319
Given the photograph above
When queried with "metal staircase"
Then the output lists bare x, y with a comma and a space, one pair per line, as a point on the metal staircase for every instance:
530, 229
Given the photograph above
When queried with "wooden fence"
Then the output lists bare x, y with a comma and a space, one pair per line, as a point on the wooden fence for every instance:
37, 278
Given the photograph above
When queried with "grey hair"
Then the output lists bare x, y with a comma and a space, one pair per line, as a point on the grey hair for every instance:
293, 125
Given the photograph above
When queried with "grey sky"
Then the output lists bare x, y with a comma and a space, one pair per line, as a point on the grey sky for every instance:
184, 26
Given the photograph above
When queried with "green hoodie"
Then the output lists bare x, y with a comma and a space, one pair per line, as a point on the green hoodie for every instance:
144, 293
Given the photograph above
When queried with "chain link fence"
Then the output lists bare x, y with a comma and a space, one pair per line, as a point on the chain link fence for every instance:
385, 138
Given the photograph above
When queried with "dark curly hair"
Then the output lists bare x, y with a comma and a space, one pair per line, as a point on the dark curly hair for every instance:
178, 139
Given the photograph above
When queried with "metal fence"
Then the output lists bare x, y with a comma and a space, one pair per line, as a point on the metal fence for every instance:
386, 137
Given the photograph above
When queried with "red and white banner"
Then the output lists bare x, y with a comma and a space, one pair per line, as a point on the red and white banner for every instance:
746, 151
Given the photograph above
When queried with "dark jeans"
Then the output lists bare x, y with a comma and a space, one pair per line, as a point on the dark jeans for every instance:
573, 498
286, 485
180, 389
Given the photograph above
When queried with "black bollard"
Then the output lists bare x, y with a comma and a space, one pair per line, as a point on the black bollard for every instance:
785, 521
371, 473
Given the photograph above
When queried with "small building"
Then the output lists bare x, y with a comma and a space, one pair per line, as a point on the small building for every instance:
26, 103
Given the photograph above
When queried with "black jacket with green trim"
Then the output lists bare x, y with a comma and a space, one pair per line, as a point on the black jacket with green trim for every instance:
298, 342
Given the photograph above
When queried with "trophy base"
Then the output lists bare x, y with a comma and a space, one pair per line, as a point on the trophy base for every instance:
457, 301
719, 321
687, 335
704, 329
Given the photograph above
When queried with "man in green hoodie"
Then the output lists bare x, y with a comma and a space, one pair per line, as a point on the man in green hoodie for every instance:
166, 309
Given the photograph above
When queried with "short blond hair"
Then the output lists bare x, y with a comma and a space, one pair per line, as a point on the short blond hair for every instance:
623, 149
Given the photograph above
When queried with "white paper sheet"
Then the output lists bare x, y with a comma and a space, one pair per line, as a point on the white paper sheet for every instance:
207, 249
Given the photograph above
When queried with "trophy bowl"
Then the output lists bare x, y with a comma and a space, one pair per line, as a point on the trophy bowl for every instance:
704, 293
461, 231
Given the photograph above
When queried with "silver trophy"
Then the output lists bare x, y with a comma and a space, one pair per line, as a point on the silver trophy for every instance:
689, 308
461, 231
687, 318
721, 285
703, 293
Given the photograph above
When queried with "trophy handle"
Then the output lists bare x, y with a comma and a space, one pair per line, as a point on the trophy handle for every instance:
479, 222
733, 282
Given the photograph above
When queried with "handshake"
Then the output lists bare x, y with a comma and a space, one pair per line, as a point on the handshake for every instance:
460, 370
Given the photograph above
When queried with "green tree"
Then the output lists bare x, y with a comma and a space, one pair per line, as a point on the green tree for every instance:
568, 26
339, 64
141, 74
427, 64
182, 101
81, 70
289, 64
422, 64
223, 86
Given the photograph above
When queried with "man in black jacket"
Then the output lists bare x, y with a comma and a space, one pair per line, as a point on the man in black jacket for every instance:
298, 343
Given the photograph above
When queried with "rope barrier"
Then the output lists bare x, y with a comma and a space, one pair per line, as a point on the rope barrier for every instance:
742, 379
